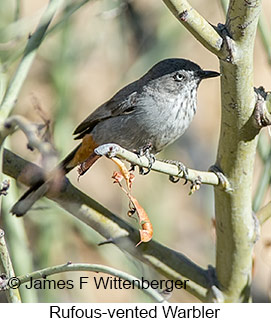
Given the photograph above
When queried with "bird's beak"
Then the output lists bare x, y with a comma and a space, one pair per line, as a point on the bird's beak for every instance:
208, 74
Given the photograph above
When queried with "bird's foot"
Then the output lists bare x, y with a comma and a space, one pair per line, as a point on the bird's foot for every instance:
195, 185
183, 170
222, 178
132, 167
146, 152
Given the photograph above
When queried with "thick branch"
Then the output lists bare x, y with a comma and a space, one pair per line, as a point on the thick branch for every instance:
241, 19
197, 25
236, 155
170, 263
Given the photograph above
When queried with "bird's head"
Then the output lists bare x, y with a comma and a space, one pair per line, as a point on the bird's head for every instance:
174, 74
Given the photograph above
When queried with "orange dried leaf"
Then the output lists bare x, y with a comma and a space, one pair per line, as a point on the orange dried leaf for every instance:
147, 231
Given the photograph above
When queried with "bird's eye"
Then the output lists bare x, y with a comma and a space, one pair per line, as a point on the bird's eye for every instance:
178, 77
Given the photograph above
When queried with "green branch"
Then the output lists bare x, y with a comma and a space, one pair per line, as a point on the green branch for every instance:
242, 19
192, 175
236, 154
238, 138
204, 32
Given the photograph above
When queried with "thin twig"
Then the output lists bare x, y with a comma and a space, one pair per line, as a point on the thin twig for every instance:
263, 185
6, 267
264, 213
43, 273
111, 150
48, 153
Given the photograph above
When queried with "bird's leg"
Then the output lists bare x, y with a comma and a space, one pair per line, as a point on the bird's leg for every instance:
146, 152
182, 170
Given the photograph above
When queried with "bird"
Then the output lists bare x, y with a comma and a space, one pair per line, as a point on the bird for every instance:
151, 112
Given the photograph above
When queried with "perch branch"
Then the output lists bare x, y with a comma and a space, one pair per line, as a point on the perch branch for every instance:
111, 150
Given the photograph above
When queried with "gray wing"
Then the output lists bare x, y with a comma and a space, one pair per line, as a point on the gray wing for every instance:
123, 102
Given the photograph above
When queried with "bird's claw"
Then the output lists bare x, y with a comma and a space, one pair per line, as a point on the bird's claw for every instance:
182, 170
174, 179
132, 168
145, 151
195, 185
222, 178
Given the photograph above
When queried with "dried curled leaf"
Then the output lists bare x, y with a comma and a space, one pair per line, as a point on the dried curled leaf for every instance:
118, 177
147, 231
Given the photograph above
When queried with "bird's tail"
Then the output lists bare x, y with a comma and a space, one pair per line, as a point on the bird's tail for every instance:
41, 187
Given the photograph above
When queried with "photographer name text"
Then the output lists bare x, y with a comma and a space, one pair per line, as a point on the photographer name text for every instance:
111, 283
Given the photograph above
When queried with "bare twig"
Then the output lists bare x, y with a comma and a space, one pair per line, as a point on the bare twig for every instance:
112, 150
264, 213
43, 273
6, 267
48, 153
